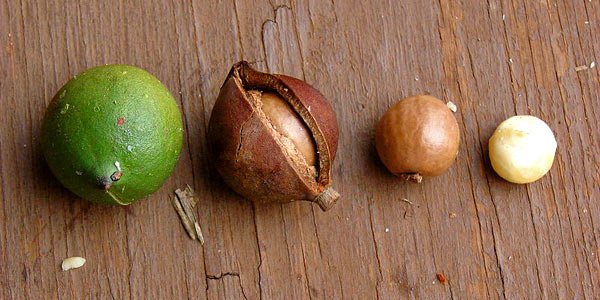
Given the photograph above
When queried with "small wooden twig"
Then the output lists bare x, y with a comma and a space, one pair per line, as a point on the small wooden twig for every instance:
184, 202
183, 217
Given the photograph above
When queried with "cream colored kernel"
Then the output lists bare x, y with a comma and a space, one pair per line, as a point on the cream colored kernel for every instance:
72, 263
522, 149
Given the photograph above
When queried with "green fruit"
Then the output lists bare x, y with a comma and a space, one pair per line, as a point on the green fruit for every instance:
112, 134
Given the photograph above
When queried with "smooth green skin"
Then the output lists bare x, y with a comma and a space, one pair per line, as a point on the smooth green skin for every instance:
81, 138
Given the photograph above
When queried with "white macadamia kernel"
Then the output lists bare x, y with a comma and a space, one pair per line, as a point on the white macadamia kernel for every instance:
522, 149
72, 263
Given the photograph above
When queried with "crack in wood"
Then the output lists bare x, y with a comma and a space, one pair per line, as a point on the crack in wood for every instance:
228, 274
221, 275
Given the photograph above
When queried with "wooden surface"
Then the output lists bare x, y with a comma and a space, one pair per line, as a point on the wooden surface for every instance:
490, 239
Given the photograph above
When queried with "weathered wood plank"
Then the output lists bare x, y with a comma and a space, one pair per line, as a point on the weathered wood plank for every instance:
489, 238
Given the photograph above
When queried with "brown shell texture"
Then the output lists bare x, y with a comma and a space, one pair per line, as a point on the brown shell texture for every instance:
418, 136
247, 153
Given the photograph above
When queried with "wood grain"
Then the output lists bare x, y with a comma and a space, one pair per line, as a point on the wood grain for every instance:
489, 238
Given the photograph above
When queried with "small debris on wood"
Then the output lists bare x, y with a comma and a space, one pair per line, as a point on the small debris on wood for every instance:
452, 106
387, 230
407, 201
72, 263
441, 278
452, 215
184, 202
581, 68
410, 212
592, 65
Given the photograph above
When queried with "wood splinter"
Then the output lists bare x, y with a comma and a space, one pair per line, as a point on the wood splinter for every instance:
184, 202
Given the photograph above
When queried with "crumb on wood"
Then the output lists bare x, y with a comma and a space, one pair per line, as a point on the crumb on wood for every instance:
407, 201
452, 106
452, 215
72, 263
441, 278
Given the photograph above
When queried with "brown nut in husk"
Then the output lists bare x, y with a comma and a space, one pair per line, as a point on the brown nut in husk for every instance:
417, 137
273, 138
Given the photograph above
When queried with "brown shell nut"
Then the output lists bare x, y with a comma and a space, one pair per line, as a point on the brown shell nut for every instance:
417, 137
273, 138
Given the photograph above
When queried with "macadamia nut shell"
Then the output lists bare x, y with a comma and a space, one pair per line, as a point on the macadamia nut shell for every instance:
418, 135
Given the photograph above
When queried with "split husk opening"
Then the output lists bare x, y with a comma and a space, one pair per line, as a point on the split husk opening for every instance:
252, 80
